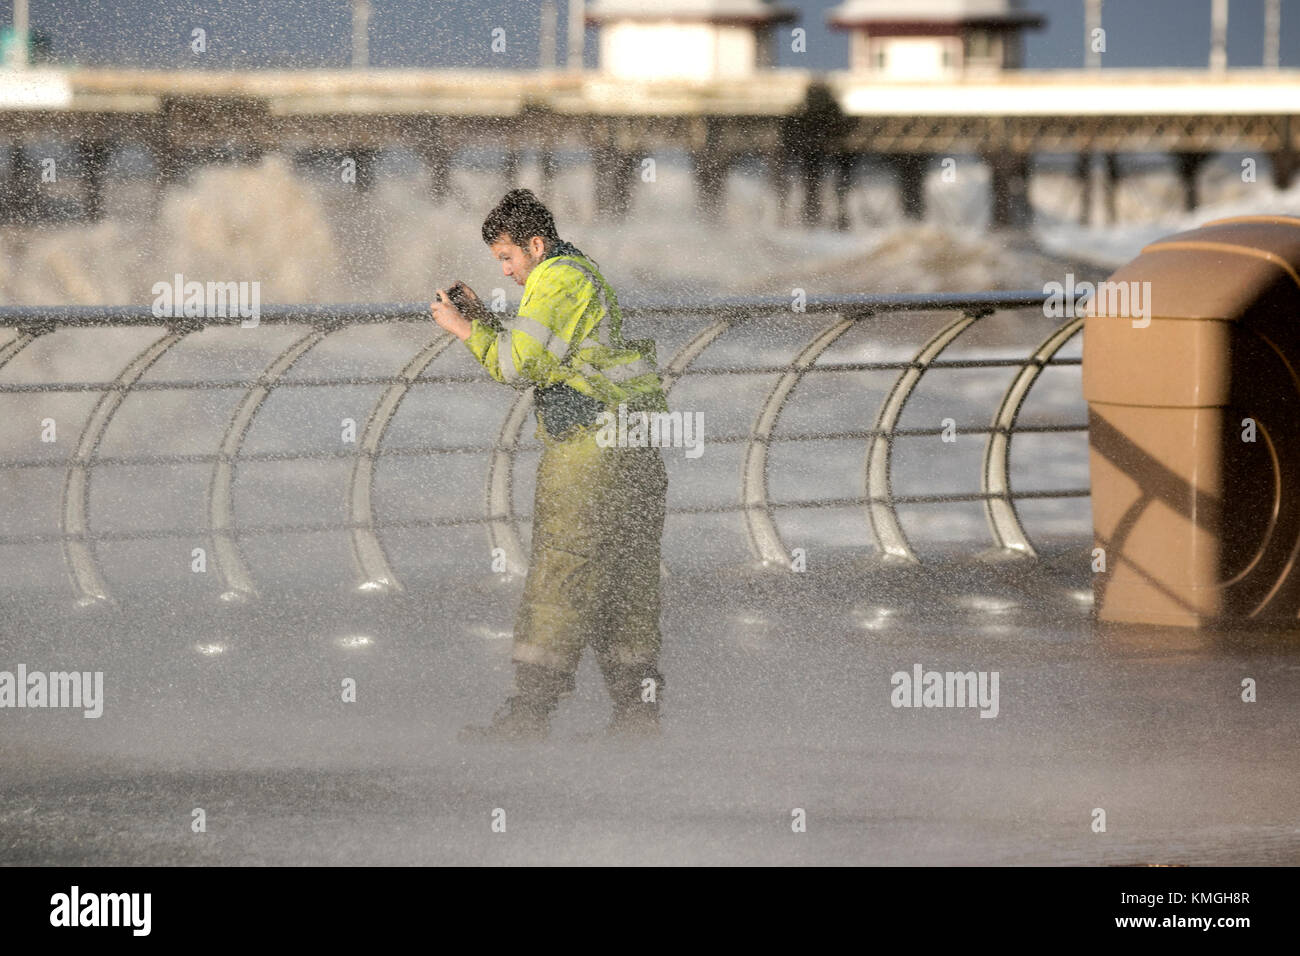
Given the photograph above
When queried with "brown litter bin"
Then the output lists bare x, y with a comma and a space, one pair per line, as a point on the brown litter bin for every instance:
1194, 428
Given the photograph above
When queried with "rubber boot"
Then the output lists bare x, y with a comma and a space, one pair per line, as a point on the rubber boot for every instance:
634, 715
526, 714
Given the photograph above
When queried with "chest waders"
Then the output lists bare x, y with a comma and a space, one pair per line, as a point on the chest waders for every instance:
593, 578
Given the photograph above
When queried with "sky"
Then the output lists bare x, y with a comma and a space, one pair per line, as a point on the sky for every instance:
458, 33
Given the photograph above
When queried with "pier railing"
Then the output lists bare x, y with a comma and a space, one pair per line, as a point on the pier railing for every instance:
831, 316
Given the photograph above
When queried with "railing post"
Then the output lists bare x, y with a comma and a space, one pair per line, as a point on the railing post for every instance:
1009, 538
764, 539
888, 530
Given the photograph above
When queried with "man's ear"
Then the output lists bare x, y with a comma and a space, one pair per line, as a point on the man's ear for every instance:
537, 246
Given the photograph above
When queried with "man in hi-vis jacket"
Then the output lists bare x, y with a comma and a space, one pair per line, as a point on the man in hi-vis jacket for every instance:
593, 574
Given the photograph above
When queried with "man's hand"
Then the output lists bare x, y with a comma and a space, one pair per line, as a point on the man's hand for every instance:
450, 317
469, 294
470, 305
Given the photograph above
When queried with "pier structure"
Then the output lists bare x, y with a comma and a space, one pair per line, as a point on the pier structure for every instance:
801, 125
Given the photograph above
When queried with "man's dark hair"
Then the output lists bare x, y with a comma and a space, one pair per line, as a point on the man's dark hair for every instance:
520, 215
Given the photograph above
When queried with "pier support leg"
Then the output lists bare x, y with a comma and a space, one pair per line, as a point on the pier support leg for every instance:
365, 157
1285, 164
1010, 181
615, 170
93, 157
437, 159
17, 199
305, 160
845, 163
811, 170
910, 171
778, 171
432, 141
600, 179
547, 167
710, 179
171, 164
1189, 169
844, 167
1083, 171
623, 175
1110, 189
510, 168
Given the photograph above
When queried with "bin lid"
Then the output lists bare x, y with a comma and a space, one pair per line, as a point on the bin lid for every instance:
1221, 270
1201, 282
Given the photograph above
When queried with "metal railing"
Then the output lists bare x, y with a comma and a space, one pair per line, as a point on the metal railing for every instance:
373, 567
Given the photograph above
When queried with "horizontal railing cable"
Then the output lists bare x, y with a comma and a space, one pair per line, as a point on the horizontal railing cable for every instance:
390, 524
864, 305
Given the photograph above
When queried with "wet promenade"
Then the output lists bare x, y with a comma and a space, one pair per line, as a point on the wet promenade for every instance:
778, 698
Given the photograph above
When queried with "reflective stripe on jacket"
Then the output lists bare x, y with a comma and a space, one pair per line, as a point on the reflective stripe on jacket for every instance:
569, 331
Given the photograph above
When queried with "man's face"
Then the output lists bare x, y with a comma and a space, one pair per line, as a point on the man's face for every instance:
518, 261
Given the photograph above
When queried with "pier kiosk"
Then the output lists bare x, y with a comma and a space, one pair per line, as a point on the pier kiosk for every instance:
686, 39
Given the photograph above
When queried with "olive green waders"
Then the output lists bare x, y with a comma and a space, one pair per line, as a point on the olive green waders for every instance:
593, 578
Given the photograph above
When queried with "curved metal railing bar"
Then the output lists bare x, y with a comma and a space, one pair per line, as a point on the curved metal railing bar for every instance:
77, 547
1008, 533
503, 523
235, 574
15, 345
677, 365
692, 350
885, 525
373, 567
764, 538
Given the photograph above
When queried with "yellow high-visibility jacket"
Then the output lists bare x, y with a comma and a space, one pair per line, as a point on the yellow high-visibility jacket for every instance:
569, 331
